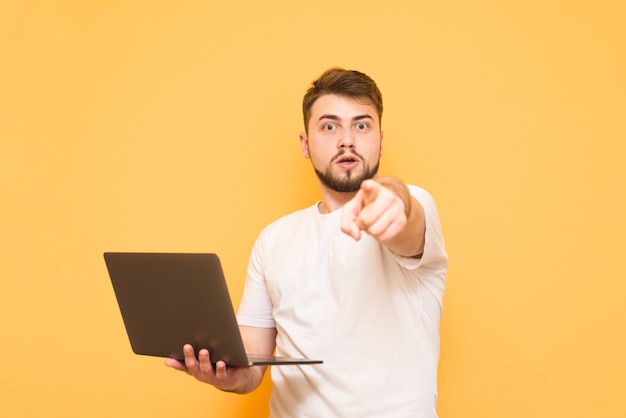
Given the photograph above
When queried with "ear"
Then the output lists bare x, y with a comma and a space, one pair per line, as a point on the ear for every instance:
304, 144
382, 133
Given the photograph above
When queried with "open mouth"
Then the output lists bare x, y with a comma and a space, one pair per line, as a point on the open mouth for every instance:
347, 162
347, 159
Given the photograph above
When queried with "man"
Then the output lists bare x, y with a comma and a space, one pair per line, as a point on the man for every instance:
356, 280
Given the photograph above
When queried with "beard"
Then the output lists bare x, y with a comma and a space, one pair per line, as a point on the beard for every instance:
348, 182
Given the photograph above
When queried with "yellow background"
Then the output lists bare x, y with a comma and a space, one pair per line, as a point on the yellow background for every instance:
173, 126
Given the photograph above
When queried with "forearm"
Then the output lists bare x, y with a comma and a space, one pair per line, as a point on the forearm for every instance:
260, 341
400, 189
249, 381
410, 241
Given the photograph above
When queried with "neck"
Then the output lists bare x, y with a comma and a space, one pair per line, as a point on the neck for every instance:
333, 200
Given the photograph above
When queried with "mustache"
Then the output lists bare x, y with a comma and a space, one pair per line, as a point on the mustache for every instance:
343, 152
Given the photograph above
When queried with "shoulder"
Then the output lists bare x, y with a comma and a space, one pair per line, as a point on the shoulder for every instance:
277, 240
287, 225
424, 197
293, 218
419, 192
434, 251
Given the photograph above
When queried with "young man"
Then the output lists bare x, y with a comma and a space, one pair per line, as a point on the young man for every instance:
356, 280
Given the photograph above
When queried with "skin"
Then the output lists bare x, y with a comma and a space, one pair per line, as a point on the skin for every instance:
229, 379
344, 143
346, 125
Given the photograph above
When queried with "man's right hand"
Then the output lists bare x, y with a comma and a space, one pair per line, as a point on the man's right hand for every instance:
229, 379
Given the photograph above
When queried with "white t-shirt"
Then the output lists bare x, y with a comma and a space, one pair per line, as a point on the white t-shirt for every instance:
371, 316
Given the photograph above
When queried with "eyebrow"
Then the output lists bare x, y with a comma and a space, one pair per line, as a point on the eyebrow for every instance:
355, 118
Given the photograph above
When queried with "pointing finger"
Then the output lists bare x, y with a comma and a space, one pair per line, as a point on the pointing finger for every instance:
370, 190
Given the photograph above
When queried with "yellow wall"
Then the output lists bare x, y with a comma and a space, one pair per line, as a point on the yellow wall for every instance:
173, 126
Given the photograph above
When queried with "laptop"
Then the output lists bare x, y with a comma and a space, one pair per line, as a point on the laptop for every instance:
170, 299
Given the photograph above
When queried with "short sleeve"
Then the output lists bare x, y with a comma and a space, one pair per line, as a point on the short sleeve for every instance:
434, 256
256, 309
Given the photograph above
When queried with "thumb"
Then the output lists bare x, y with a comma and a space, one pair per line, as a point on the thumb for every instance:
348, 217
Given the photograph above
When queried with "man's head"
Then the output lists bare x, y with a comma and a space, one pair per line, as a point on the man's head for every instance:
348, 83
343, 138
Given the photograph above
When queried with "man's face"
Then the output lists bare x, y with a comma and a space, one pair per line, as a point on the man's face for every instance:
344, 141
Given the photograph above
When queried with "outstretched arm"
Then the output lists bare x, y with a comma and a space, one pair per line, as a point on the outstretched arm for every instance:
385, 209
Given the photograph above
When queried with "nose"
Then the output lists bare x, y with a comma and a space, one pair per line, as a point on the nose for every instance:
346, 140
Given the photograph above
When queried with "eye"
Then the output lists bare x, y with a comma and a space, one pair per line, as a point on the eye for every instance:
329, 127
361, 126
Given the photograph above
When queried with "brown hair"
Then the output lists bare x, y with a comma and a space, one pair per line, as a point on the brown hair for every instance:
342, 82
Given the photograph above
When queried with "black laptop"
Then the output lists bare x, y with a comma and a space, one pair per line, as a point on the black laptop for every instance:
171, 299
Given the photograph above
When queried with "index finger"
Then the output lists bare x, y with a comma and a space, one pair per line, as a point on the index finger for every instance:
191, 361
370, 190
